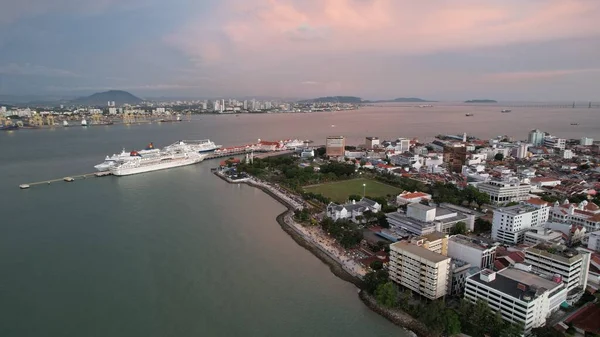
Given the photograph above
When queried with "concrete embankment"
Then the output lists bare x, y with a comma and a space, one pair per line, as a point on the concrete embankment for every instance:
395, 316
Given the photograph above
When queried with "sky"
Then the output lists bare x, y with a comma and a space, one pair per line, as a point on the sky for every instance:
534, 50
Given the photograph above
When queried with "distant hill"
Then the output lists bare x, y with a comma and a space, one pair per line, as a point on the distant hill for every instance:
101, 98
334, 99
403, 100
481, 101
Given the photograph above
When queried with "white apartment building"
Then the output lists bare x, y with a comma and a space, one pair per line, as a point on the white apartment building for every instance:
536, 137
472, 251
586, 214
518, 295
522, 151
566, 154
569, 265
594, 241
422, 219
585, 141
419, 269
510, 223
555, 142
505, 191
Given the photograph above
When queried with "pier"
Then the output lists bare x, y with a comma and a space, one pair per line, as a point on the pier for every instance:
65, 179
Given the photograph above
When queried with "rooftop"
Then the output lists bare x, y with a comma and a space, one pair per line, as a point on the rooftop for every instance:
587, 318
419, 251
517, 283
421, 206
434, 236
467, 241
556, 252
517, 209
413, 195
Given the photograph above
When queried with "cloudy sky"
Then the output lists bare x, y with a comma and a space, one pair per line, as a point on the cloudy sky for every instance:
445, 49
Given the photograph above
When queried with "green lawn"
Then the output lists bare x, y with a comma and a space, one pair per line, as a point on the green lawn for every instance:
340, 190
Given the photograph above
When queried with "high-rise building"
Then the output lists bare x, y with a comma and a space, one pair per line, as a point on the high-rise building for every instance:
455, 157
245, 105
419, 269
216, 106
470, 250
536, 137
585, 141
519, 296
555, 142
509, 224
335, 146
569, 265
371, 142
522, 151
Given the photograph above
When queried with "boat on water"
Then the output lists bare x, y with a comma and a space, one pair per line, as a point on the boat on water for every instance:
65, 124
125, 156
203, 145
84, 123
574, 123
469, 115
174, 155
506, 110
9, 127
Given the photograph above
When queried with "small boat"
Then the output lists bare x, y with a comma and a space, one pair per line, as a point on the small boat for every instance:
468, 115
506, 110
574, 123
84, 122
65, 124
23, 186
68, 179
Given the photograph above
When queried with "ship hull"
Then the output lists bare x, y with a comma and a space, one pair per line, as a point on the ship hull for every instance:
126, 171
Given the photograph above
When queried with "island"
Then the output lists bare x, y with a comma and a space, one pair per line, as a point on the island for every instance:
334, 99
481, 101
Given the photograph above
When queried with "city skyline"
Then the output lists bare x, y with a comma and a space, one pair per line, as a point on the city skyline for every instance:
374, 49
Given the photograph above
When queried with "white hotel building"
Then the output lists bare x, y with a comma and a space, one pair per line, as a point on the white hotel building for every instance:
518, 295
505, 191
419, 269
510, 223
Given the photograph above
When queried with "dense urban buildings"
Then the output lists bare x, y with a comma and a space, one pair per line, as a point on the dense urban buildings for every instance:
419, 269
421, 219
509, 224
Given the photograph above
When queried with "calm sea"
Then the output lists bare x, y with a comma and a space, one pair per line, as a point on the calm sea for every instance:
180, 252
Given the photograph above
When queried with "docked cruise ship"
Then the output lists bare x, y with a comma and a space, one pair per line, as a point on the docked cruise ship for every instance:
174, 155
125, 156
202, 146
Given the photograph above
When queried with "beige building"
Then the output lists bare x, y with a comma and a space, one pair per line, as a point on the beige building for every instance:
435, 242
335, 146
419, 269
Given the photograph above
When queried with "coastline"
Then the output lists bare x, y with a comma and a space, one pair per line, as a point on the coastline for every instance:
399, 318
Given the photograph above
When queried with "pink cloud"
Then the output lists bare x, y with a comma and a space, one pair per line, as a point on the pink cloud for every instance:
403, 27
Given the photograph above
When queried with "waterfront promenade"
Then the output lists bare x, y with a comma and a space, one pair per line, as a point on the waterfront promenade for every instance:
314, 235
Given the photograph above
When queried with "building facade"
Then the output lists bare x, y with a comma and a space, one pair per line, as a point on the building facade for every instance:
586, 214
519, 296
505, 191
352, 210
371, 143
422, 219
419, 269
555, 142
335, 146
509, 224
594, 241
585, 141
569, 265
472, 251
536, 137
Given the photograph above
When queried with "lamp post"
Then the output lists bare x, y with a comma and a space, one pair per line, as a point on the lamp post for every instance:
364, 188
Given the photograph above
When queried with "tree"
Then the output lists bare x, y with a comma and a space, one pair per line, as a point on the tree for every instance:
376, 265
499, 156
459, 228
482, 226
546, 331
374, 278
481, 198
452, 323
360, 218
387, 294
355, 197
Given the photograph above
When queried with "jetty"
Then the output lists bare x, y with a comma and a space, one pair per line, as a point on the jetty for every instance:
64, 179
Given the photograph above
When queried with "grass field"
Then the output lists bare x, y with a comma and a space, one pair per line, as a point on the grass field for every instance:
340, 190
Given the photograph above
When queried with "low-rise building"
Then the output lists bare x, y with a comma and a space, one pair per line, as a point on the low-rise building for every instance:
505, 191
353, 209
475, 252
536, 235
419, 269
586, 214
555, 142
519, 296
411, 197
585, 141
422, 219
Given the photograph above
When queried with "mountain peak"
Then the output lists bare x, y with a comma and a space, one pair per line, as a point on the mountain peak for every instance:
120, 97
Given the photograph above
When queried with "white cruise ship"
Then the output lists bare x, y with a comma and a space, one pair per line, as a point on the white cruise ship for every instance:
125, 156
175, 155
202, 146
